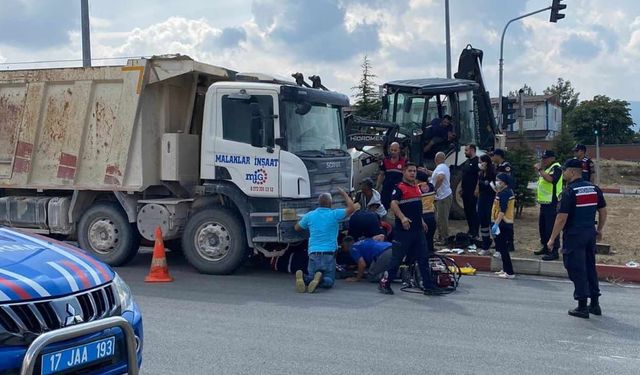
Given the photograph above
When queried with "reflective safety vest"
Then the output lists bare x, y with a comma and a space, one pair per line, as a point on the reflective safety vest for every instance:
545, 188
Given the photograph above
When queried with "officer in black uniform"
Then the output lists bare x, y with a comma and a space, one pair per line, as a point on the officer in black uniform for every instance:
580, 153
499, 158
579, 202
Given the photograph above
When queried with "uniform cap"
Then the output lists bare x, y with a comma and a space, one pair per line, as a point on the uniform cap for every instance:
580, 147
572, 163
500, 152
504, 178
548, 154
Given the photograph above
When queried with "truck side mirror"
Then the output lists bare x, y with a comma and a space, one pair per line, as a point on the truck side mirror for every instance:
257, 125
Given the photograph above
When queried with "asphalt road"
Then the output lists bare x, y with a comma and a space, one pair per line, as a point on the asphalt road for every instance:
254, 323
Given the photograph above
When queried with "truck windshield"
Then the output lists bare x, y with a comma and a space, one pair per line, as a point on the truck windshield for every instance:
319, 130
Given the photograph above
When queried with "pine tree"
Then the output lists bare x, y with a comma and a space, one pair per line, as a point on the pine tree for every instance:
522, 159
563, 144
368, 102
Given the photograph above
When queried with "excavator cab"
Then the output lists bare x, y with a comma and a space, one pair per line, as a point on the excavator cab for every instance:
432, 114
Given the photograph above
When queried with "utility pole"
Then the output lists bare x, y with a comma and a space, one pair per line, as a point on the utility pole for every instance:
555, 7
86, 39
447, 37
597, 131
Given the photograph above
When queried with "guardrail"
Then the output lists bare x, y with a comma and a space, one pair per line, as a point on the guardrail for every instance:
67, 333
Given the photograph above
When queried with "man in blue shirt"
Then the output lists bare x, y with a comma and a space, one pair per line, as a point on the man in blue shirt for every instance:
368, 253
323, 224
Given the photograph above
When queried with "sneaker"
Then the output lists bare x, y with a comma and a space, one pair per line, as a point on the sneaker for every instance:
385, 286
499, 272
580, 312
472, 247
541, 252
300, 286
551, 256
497, 255
313, 285
507, 276
483, 252
595, 309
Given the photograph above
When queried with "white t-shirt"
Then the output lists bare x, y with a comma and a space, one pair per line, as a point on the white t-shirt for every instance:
445, 189
375, 199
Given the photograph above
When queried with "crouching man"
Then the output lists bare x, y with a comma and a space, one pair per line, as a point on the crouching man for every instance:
370, 253
323, 224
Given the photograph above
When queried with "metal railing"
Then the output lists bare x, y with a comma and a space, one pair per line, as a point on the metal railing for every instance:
67, 333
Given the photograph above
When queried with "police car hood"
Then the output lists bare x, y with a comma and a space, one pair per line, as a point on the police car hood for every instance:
34, 267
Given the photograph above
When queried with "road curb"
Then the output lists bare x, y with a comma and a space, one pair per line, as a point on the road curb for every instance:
538, 267
622, 190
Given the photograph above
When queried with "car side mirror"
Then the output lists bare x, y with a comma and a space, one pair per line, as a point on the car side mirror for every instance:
257, 125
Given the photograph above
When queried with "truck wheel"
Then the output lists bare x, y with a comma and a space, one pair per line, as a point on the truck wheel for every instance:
105, 232
457, 207
214, 241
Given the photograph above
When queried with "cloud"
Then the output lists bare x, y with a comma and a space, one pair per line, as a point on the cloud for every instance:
38, 24
315, 30
580, 48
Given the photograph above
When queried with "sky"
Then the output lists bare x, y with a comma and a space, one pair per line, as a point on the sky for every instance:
596, 47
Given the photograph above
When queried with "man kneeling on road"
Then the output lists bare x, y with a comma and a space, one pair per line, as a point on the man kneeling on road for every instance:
369, 252
323, 224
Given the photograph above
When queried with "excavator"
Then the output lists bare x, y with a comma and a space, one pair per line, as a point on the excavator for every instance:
410, 107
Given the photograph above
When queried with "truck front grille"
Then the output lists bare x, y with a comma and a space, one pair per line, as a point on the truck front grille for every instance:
23, 322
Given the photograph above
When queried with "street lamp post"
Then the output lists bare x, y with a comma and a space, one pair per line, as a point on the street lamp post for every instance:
502, 60
447, 37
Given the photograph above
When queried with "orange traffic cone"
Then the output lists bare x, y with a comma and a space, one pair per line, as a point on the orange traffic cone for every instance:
159, 272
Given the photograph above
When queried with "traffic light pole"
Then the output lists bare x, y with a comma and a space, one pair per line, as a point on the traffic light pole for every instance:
502, 61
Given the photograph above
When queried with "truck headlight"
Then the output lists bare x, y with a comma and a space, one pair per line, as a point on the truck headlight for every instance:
123, 293
292, 214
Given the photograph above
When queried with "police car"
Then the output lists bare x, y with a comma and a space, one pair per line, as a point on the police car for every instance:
62, 311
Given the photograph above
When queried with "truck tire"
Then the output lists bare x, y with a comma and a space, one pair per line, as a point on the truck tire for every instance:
214, 241
104, 231
457, 208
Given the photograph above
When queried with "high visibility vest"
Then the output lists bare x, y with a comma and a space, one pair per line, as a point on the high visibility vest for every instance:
545, 188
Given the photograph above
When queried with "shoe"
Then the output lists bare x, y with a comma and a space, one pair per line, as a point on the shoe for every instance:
385, 286
433, 292
579, 312
507, 276
483, 252
497, 255
595, 309
300, 286
499, 272
313, 285
541, 252
551, 256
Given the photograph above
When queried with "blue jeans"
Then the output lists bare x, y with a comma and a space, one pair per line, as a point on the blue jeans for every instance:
325, 263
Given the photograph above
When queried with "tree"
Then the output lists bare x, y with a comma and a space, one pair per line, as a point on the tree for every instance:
526, 91
368, 102
563, 144
566, 94
522, 159
613, 116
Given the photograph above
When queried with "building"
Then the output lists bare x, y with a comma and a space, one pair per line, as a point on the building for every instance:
542, 117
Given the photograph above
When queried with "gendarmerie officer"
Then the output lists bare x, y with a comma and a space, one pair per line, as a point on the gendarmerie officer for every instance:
499, 157
580, 153
579, 202
409, 239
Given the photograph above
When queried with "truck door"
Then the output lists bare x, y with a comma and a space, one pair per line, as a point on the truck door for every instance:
249, 158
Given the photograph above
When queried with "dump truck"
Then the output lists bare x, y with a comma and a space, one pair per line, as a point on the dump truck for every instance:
223, 162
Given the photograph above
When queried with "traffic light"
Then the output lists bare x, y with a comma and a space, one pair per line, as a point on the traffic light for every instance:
556, 7
507, 113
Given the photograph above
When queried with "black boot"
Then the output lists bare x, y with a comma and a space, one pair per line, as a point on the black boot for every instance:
582, 311
553, 255
543, 251
594, 307
384, 286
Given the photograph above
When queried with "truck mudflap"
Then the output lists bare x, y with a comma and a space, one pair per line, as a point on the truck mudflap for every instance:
33, 353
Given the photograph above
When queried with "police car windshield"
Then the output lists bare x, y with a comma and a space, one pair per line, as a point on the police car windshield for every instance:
319, 130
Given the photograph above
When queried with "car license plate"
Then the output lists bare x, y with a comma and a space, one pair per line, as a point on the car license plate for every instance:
78, 356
